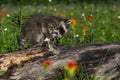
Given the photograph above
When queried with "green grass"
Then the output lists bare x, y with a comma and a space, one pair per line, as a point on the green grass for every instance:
104, 26
2, 72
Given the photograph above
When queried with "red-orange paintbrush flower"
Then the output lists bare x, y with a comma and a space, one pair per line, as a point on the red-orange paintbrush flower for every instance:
47, 65
89, 17
71, 68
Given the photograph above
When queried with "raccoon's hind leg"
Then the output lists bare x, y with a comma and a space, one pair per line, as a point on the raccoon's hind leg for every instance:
37, 40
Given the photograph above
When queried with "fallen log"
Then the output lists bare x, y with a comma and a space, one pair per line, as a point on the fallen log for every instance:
98, 59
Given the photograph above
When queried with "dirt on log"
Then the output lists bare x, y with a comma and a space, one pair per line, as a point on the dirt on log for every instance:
98, 59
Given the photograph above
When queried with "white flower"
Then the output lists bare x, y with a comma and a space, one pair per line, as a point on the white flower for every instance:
5, 29
76, 35
55, 9
83, 14
118, 17
50, 0
8, 15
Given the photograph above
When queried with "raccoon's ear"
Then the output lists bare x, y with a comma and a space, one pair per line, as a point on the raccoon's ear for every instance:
68, 21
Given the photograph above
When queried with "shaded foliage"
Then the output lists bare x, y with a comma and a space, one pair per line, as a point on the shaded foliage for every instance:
46, 2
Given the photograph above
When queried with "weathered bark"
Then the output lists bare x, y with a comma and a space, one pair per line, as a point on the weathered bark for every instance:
99, 59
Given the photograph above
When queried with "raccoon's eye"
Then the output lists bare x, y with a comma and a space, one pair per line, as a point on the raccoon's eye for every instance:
55, 33
61, 31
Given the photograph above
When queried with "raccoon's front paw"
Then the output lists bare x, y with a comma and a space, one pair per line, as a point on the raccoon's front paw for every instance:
54, 51
51, 49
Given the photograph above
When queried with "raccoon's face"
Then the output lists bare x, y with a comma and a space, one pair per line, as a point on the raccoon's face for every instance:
61, 29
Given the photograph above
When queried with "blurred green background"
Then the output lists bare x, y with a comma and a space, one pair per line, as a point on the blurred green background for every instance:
47, 2
104, 25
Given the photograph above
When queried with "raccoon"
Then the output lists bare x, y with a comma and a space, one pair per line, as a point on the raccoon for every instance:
43, 29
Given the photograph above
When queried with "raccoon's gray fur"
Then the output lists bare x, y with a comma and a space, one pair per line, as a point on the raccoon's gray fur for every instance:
42, 28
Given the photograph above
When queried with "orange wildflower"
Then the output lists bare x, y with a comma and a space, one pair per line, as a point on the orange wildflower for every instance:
73, 21
89, 17
3, 15
83, 28
63, 15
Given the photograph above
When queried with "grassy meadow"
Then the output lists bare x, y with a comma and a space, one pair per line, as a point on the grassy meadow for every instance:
91, 23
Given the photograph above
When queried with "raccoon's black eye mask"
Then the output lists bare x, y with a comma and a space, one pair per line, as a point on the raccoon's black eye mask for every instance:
56, 33
61, 31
